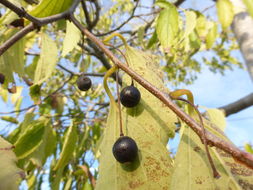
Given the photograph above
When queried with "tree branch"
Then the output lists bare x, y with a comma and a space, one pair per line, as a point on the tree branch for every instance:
36, 22
98, 8
19, 11
99, 55
238, 105
212, 140
242, 27
89, 175
86, 14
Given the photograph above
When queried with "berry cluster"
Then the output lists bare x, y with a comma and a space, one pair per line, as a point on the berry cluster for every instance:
125, 149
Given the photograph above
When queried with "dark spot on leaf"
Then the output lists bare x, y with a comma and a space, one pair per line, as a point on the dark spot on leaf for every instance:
245, 185
165, 162
238, 169
198, 181
154, 170
135, 184
222, 153
197, 148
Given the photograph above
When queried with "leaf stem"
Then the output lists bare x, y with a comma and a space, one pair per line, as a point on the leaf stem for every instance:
119, 106
107, 75
203, 138
112, 36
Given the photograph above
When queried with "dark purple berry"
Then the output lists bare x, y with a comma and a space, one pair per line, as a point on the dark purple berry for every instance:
130, 96
125, 149
84, 83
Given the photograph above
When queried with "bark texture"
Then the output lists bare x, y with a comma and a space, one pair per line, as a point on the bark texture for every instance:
243, 30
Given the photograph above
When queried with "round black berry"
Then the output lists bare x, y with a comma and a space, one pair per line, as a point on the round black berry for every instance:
84, 83
130, 96
2, 78
125, 149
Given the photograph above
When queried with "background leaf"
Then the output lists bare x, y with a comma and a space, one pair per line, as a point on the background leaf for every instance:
13, 59
211, 36
46, 148
225, 13
249, 5
48, 59
193, 169
10, 174
68, 147
30, 139
50, 7
167, 26
71, 39
190, 23
217, 117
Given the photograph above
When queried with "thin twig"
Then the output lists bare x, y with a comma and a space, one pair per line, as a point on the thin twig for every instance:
215, 172
122, 24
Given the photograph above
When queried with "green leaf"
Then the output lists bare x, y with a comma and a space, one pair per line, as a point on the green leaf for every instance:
46, 148
191, 159
217, 117
48, 60
71, 39
248, 148
191, 21
30, 139
201, 26
14, 135
18, 104
10, 119
87, 186
4, 93
193, 169
167, 26
35, 93
249, 5
242, 174
152, 40
56, 179
29, 70
50, 7
140, 35
13, 59
152, 169
225, 13
68, 148
211, 36
163, 4
10, 174
68, 183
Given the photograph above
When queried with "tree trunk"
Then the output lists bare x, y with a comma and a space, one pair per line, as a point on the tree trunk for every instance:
243, 30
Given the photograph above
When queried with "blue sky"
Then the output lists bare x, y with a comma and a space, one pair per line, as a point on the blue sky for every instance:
214, 90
